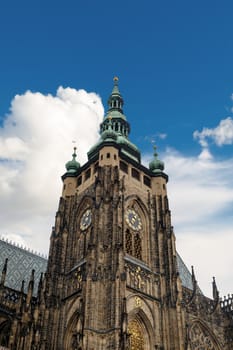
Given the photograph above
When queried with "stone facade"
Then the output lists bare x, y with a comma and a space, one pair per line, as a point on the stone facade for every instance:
112, 280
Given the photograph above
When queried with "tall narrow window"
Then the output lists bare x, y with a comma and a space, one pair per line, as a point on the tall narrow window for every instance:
137, 246
135, 174
124, 167
133, 244
128, 242
87, 174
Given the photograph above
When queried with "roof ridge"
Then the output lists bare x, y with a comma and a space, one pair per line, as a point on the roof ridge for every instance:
24, 248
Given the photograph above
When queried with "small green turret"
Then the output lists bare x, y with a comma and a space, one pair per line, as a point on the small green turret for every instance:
72, 166
156, 165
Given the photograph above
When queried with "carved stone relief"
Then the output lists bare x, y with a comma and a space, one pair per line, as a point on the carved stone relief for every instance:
200, 339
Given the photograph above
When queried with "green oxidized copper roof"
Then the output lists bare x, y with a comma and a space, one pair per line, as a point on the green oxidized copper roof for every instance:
115, 127
72, 166
156, 165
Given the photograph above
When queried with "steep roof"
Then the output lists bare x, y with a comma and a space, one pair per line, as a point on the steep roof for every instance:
185, 275
21, 262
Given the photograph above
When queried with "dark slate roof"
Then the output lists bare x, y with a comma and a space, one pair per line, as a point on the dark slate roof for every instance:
21, 262
185, 275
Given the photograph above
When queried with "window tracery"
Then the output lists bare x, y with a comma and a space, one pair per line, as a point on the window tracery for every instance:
128, 242
133, 244
138, 246
200, 339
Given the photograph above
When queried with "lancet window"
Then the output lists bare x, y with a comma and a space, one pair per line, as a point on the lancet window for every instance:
133, 244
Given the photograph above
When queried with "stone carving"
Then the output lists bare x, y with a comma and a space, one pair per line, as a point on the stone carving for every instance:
201, 339
139, 278
74, 279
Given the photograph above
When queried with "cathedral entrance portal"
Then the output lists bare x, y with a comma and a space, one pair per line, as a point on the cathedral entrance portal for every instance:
136, 336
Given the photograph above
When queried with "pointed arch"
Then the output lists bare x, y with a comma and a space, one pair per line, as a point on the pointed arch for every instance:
141, 323
86, 202
5, 328
140, 330
137, 241
135, 200
201, 337
135, 332
74, 328
81, 238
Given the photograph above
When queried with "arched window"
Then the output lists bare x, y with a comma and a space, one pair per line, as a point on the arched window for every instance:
137, 246
128, 242
133, 244
136, 336
5, 333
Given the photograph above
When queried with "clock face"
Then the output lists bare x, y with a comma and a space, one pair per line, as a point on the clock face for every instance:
85, 221
133, 220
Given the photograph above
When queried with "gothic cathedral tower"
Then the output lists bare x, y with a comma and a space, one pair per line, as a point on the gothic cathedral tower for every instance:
112, 280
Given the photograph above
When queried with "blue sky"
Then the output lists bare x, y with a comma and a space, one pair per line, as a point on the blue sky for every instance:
174, 62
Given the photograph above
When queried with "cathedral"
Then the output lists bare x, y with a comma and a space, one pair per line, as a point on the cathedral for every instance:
113, 278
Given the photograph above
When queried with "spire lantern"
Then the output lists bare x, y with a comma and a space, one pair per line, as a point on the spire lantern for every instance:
115, 101
109, 133
115, 128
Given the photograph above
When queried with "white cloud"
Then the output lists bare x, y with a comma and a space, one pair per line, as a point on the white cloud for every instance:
209, 248
162, 136
221, 135
200, 192
199, 187
153, 138
35, 144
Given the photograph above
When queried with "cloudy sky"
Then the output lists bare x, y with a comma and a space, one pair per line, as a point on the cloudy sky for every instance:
174, 61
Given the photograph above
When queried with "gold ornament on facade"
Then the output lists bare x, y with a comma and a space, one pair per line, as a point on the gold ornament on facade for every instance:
138, 302
136, 336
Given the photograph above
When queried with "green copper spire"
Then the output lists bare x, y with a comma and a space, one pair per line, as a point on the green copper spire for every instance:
115, 128
156, 165
115, 113
115, 101
72, 166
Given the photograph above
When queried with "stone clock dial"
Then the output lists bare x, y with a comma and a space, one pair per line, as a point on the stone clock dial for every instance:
85, 221
133, 220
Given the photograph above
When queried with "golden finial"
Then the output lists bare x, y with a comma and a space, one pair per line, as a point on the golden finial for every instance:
115, 79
